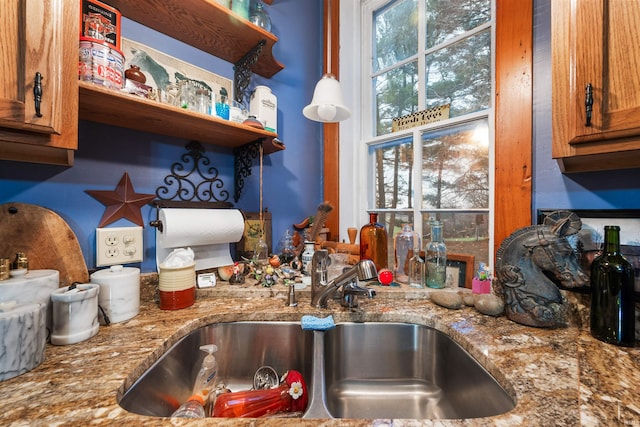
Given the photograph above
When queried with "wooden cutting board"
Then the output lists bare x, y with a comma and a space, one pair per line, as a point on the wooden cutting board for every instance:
45, 238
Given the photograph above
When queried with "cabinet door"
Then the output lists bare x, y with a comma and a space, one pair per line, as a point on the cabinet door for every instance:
32, 34
607, 56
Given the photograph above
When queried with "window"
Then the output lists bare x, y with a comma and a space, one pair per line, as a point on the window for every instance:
421, 54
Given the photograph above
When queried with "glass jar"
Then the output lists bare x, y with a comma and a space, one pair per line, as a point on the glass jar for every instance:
241, 7
203, 101
373, 242
436, 258
260, 17
612, 314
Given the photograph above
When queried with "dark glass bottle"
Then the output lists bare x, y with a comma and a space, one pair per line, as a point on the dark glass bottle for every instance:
612, 301
373, 242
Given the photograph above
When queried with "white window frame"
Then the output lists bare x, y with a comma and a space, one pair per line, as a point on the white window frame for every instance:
356, 184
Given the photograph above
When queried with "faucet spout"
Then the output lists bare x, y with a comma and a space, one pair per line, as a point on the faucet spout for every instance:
363, 270
319, 264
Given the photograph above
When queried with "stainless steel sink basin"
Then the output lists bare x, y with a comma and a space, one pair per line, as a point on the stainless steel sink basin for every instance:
396, 370
356, 370
243, 347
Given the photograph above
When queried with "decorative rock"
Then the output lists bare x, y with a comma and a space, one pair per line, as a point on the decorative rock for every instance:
468, 299
451, 300
489, 304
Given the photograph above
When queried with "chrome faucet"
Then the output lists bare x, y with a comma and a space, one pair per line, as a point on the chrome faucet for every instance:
348, 281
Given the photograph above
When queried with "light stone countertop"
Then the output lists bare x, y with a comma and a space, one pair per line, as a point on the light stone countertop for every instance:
560, 377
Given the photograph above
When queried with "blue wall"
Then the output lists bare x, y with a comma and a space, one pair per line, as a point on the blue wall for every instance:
292, 178
551, 189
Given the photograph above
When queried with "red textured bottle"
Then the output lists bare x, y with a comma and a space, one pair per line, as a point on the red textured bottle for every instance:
373, 242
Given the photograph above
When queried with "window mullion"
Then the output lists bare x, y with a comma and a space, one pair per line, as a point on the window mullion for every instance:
422, 59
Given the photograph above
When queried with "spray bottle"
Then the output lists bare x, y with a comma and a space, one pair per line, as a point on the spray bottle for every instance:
207, 376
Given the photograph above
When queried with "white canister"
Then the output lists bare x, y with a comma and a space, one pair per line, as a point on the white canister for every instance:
264, 105
119, 293
75, 314
24, 338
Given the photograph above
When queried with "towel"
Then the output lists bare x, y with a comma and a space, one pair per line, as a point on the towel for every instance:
316, 323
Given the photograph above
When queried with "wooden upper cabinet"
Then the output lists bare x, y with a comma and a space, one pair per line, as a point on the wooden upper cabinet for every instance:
595, 42
38, 36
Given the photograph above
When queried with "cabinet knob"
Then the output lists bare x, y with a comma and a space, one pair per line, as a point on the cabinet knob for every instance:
588, 103
37, 92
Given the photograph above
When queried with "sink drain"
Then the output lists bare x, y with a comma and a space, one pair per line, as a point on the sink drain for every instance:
265, 378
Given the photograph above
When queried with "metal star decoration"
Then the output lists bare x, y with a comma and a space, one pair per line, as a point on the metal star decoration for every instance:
123, 202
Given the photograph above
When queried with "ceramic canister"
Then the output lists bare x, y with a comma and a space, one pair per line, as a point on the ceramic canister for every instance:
24, 338
119, 293
75, 314
177, 286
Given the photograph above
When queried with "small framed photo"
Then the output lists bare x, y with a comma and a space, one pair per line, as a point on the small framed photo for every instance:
252, 226
460, 270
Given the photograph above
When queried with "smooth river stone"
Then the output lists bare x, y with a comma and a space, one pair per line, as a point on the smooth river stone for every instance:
451, 300
489, 304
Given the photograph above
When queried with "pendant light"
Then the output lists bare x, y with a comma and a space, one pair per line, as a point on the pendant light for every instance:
327, 105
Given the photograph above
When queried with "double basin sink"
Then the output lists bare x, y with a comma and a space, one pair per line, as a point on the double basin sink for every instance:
355, 370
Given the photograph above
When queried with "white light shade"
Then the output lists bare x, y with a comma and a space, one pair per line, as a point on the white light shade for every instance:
327, 105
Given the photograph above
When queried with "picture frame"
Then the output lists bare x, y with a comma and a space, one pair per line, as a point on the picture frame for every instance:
251, 235
460, 270
164, 73
588, 241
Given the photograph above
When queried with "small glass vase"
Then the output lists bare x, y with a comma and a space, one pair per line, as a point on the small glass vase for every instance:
436, 258
260, 17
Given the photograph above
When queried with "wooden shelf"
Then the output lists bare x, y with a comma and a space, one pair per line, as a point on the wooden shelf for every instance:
205, 25
115, 108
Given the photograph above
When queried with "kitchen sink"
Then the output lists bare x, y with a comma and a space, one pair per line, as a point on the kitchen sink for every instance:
355, 370
398, 370
243, 347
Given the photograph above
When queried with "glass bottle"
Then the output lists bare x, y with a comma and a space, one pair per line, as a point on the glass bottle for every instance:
612, 315
373, 242
436, 258
307, 257
287, 254
416, 270
402, 246
261, 252
222, 105
192, 408
260, 17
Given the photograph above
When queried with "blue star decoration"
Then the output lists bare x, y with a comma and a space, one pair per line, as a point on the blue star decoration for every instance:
123, 202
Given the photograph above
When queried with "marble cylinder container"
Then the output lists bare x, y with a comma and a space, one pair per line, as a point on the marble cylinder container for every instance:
34, 287
75, 314
119, 295
23, 337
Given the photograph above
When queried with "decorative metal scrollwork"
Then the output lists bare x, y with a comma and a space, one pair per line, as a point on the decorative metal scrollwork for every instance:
242, 71
243, 161
179, 184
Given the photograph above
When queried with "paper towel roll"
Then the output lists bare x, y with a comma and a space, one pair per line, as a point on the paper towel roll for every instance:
207, 231
198, 227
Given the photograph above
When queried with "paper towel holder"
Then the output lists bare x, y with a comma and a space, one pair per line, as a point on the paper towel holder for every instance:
159, 204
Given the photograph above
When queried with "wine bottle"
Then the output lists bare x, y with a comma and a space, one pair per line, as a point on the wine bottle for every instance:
612, 315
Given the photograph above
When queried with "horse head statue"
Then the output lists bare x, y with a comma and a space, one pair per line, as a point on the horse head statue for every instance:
530, 265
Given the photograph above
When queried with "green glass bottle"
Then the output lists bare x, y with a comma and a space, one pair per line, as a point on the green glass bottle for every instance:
612, 302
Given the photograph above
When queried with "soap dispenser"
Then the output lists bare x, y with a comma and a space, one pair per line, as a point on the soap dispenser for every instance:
205, 383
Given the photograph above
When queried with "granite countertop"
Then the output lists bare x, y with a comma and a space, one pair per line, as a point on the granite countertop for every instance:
559, 376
